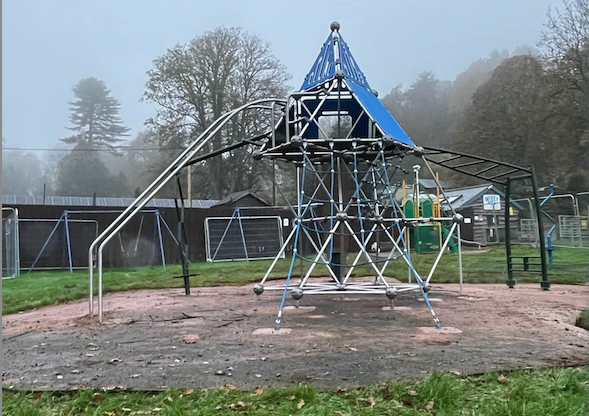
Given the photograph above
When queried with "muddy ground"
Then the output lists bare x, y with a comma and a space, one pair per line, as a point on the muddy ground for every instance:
158, 338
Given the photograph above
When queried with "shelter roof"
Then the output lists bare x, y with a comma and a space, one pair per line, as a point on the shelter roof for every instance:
465, 197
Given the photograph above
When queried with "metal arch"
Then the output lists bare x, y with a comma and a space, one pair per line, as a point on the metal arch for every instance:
500, 173
476, 166
181, 161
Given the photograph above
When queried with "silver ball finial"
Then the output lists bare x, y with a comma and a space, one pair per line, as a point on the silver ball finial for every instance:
297, 293
258, 289
334, 26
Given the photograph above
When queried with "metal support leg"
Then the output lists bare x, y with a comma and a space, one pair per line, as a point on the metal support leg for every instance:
182, 239
46, 243
459, 257
160, 239
545, 284
507, 219
68, 242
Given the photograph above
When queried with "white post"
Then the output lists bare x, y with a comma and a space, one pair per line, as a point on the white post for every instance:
408, 248
459, 257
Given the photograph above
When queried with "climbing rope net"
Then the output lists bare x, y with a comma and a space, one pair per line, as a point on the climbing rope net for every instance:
355, 189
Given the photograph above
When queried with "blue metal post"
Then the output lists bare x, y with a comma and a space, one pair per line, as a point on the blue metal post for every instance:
549, 246
46, 244
161, 241
224, 234
163, 221
296, 240
242, 233
68, 241
545, 284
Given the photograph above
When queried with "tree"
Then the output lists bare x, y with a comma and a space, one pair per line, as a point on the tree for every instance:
22, 173
507, 119
467, 82
565, 50
565, 44
81, 173
427, 110
139, 167
95, 116
422, 110
395, 103
194, 84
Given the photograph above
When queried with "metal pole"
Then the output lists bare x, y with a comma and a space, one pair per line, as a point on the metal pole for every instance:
68, 242
153, 239
296, 241
242, 233
273, 160
342, 242
459, 257
545, 283
416, 199
46, 243
377, 211
510, 281
214, 256
441, 253
139, 233
159, 233
189, 179
438, 212
183, 240
408, 253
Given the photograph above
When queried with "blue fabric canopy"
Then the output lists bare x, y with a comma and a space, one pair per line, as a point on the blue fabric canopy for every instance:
379, 113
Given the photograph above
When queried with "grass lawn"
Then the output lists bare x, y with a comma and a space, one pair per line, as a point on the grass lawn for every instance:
553, 392
32, 290
583, 319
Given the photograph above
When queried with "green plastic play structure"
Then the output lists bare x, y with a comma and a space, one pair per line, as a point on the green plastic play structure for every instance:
427, 237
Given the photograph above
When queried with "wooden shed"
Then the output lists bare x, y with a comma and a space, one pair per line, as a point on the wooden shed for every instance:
483, 208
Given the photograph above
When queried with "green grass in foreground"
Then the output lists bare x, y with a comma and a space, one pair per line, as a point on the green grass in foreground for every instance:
32, 290
556, 392
583, 319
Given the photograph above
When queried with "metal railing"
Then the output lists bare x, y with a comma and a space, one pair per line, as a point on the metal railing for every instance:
181, 161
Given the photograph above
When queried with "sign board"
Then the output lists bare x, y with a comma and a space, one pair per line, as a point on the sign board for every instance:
492, 202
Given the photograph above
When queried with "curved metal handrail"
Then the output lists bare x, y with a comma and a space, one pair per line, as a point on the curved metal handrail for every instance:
152, 189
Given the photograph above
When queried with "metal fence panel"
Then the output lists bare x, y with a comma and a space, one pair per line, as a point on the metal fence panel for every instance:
10, 251
243, 238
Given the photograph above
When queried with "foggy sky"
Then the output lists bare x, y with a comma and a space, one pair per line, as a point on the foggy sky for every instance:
48, 46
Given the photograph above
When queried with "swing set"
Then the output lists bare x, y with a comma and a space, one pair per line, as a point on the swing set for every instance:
160, 227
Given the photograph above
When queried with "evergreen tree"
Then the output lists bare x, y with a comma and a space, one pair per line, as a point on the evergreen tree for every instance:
95, 116
81, 173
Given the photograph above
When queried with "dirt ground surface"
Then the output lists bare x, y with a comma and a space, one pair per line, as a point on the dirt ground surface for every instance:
156, 338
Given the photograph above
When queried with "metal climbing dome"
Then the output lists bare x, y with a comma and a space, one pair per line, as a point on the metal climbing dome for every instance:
346, 148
